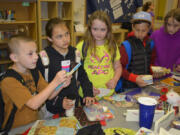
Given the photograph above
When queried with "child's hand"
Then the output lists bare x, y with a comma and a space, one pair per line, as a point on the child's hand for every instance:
96, 91
178, 68
67, 103
67, 81
88, 100
140, 82
60, 77
111, 84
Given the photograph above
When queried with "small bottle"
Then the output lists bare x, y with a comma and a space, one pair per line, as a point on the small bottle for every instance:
70, 112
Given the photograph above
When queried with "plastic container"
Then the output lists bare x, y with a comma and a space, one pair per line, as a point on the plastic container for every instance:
146, 108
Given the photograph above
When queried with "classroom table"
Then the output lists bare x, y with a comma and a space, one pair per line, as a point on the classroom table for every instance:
118, 121
120, 118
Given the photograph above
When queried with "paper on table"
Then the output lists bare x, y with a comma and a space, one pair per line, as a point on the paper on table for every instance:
103, 92
174, 131
176, 77
164, 132
164, 121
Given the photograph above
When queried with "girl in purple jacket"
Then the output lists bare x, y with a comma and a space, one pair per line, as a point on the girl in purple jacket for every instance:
167, 41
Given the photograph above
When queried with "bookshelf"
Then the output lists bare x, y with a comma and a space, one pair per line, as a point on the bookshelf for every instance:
16, 17
53, 8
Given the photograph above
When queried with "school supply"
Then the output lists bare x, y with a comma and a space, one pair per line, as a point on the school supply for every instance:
103, 92
14, 74
70, 73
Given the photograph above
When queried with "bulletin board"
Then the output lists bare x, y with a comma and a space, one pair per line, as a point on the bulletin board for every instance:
118, 10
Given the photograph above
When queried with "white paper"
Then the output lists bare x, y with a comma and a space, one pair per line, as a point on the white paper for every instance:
117, 12
174, 131
114, 3
116, 7
133, 115
164, 121
103, 92
163, 132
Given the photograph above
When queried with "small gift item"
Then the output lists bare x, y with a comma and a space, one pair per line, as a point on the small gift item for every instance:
70, 112
163, 99
174, 100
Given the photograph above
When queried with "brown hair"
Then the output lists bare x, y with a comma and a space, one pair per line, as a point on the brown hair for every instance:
146, 5
140, 21
174, 13
90, 41
52, 23
14, 42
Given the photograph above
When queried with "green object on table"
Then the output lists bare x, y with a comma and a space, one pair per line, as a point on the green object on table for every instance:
121, 131
25, 4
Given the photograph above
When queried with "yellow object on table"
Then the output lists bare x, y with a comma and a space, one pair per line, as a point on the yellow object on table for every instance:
168, 81
60, 126
119, 131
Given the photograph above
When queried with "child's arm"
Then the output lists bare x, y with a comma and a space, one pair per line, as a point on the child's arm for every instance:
86, 86
36, 101
111, 84
85, 83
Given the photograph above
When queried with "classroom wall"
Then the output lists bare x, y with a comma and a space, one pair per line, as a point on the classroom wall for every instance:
161, 8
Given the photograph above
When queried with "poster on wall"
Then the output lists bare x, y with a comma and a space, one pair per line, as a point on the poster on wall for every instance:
118, 10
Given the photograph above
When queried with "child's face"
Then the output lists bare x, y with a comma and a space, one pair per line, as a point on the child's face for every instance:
141, 30
99, 30
60, 37
26, 57
172, 26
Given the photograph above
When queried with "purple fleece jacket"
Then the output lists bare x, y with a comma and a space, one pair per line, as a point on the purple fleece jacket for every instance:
167, 48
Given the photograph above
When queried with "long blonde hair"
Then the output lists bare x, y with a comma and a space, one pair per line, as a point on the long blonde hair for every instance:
89, 39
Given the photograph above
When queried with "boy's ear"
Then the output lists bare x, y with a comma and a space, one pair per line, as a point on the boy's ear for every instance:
132, 26
49, 39
13, 57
